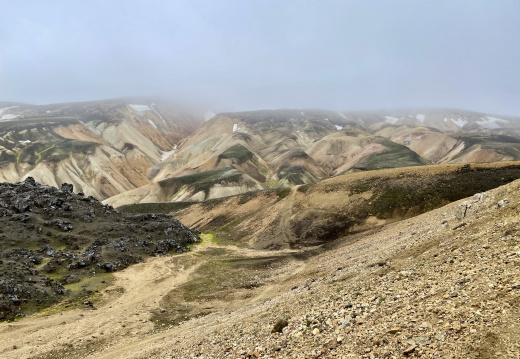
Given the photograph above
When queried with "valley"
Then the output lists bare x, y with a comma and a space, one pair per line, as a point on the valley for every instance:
272, 233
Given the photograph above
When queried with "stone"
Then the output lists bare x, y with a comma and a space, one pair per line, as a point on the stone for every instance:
279, 325
331, 344
394, 330
409, 350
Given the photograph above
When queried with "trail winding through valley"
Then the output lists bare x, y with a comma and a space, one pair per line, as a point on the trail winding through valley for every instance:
120, 322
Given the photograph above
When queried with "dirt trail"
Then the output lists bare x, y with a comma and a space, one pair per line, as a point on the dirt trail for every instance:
121, 320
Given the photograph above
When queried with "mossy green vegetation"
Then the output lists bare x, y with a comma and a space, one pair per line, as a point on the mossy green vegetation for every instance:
222, 278
283, 193
35, 152
157, 207
201, 181
237, 152
418, 195
395, 156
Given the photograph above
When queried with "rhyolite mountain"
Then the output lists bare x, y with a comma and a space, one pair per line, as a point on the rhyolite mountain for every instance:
138, 151
281, 148
102, 147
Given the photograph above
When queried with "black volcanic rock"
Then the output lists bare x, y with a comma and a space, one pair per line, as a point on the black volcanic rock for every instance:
77, 237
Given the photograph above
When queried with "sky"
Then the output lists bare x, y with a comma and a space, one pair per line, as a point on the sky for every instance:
233, 55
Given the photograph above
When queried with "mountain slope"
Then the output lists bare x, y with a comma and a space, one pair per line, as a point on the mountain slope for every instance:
103, 148
442, 284
289, 147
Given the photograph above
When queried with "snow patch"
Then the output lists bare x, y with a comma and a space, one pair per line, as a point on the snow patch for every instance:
420, 118
491, 122
157, 113
445, 119
338, 127
326, 119
391, 119
166, 154
208, 115
6, 108
9, 116
235, 127
26, 141
460, 122
140, 108
302, 113
342, 115
153, 124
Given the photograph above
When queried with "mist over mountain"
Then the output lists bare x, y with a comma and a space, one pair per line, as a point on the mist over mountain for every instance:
259, 179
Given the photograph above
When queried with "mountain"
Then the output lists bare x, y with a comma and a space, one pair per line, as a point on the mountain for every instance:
282, 148
139, 151
103, 148
445, 120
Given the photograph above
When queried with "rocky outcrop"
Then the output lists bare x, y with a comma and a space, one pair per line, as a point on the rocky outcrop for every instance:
52, 237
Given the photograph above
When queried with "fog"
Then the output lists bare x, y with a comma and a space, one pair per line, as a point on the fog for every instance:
243, 55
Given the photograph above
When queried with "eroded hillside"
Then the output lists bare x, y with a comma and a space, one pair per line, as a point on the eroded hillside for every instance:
103, 148
282, 148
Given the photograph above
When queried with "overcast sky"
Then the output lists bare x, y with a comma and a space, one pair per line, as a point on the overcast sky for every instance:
253, 54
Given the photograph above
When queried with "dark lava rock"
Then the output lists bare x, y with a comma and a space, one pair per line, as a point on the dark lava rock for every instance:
67, 187
83, 237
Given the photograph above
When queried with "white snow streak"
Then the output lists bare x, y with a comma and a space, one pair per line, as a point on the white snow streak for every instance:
140, 108
338, 127
460, 122
9, 116
491, 122
165, 155
420, 118
26, 141
391, 119
158, 114
153, 124
235, 127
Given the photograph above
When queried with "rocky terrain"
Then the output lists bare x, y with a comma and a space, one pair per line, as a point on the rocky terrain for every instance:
444, 284
56, 245
315, 233
441, 284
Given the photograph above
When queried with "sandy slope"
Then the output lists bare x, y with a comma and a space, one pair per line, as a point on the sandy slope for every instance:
120, 322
